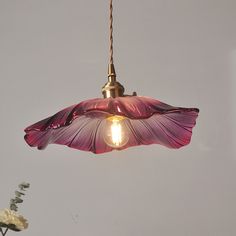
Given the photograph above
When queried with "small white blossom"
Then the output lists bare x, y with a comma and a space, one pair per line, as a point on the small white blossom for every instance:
13, 220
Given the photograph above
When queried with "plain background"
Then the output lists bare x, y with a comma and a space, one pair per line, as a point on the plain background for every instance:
54, 54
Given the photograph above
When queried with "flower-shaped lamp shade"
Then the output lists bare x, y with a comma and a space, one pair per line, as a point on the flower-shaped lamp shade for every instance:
102, 125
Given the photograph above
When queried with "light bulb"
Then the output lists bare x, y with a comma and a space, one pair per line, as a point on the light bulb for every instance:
115, 134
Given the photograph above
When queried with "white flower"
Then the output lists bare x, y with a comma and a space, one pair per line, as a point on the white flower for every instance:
12, 220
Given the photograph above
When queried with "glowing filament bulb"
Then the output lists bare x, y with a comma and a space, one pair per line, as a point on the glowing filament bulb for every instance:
115, 135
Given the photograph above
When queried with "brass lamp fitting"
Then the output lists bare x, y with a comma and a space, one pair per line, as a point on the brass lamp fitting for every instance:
112, 88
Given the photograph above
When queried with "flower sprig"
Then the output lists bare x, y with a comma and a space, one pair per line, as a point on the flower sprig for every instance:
18, 194
9, 218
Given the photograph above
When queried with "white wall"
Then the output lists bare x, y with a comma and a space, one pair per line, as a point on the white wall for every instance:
54, 54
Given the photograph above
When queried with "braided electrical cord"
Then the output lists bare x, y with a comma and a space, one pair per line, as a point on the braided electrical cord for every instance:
111, 32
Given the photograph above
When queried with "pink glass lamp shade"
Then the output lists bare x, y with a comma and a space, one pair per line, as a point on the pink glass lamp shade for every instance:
103, 124
116, 121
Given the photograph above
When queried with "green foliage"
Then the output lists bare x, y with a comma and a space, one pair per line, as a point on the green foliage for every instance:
23, 186
18, 194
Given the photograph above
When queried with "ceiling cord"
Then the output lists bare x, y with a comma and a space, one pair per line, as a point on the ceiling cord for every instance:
111, 32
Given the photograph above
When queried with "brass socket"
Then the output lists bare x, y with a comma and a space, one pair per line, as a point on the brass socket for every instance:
112, 88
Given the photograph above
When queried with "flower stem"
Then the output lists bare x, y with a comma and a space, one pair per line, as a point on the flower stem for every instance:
5, 232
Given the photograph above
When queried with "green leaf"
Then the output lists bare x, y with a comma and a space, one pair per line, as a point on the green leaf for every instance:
19, 194
2, 225
12, 201
18, 200
13, 227
13, 207
24, 185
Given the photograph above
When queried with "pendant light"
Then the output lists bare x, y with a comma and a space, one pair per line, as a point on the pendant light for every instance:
116, 121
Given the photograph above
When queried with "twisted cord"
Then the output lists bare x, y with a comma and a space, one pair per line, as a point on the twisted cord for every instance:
111, 32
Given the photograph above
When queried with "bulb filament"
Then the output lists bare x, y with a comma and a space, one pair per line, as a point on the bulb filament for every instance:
116, 133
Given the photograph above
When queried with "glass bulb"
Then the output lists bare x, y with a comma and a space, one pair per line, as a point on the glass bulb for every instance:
115, 135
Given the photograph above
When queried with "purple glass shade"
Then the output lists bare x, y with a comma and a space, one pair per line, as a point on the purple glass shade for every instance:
82, 126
